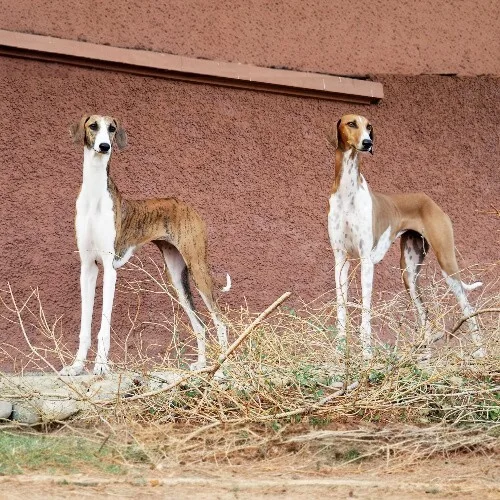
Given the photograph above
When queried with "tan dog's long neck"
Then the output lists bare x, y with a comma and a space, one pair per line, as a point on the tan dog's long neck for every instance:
346, 167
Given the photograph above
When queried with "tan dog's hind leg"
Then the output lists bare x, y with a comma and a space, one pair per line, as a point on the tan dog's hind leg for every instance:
414, 247
439, 232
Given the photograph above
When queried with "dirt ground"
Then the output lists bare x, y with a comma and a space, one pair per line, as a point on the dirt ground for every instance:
458, 477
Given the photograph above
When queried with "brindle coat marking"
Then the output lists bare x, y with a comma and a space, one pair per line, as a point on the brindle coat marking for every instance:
363, 224
110, 229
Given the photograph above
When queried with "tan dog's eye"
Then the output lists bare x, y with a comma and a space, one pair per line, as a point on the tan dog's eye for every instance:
112, 128
352, 124
369, 127
93, 126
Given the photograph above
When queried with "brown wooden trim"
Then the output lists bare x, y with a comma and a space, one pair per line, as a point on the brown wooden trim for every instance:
147, 63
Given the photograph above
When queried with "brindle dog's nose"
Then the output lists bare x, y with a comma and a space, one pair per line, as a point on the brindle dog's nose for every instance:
104, 147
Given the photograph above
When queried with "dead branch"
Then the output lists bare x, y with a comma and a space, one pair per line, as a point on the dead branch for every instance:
476, 313
210, 370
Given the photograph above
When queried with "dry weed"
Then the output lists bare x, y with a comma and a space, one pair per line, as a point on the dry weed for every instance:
290, 386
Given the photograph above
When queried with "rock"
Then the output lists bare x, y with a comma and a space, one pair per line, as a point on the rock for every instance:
57, 409
86, 407
25, 413
111, 386
64, 387
5, 409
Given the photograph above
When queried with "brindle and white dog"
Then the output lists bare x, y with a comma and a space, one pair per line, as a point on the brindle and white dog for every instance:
363, 224
109, 229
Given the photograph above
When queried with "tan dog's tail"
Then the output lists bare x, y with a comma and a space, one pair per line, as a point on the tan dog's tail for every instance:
472, 286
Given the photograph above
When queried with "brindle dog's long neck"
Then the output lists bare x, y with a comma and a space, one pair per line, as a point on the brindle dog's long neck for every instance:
97, 180
95, 172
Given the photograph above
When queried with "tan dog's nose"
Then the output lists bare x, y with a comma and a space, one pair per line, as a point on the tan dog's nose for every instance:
367, 145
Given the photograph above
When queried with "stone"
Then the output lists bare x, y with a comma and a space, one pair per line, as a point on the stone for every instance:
57, 409
5, 409
111, 386
25, 413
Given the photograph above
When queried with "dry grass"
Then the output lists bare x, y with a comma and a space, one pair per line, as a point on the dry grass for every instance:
290, 387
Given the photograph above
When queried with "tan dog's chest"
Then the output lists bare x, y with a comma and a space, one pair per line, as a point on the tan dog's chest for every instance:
350, 223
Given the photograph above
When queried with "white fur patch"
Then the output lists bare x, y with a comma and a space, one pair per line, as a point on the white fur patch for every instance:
457, 288
364, 136
95, 236
102, 136
383, 244
95, 218
350, 227
350, 215
472, 286
228, 284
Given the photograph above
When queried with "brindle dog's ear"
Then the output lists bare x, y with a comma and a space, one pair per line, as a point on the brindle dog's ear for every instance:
339, 140
77, 130
371, 137
120, 136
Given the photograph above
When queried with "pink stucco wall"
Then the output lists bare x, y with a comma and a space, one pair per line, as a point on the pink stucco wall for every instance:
255, 165
330, 36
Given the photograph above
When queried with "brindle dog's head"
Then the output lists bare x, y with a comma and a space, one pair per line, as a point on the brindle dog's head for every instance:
98, 133
354, 131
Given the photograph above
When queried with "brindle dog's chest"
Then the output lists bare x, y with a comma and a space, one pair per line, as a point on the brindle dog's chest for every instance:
95, 225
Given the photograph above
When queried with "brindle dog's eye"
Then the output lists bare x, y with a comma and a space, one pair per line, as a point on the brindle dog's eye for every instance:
352, 124
93, 126
112, 128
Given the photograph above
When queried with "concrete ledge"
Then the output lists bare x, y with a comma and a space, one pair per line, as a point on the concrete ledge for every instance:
156, 64
46, 397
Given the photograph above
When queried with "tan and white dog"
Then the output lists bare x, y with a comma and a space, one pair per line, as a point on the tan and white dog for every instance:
363, 224
109, 229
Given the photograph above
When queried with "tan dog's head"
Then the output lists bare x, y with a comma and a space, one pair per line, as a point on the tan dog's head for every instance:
354, 131
98, 133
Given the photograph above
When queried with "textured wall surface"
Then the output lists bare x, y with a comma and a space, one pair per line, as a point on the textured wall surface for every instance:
255, 165
330, 36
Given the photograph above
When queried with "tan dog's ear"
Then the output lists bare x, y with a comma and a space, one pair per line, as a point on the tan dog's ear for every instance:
332, 136
77, 130
120, 136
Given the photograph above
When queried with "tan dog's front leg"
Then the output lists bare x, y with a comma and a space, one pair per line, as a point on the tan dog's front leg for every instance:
341, 288
366, 286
